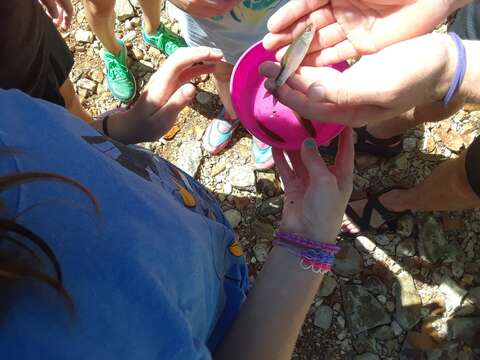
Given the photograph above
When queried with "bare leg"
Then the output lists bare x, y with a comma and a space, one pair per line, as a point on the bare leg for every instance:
222, 75
151, 15
446, 189
101, 18
72, 103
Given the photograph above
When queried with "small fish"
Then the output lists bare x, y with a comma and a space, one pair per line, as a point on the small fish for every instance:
294, 56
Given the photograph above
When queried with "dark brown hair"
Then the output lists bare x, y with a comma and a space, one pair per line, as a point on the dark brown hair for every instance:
24, 262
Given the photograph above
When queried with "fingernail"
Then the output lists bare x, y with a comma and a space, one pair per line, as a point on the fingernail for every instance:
270, 84
318, 91
188, 91
310, 144
217, 52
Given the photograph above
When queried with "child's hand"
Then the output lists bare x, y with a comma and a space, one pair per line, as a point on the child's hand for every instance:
205, 8
166, 94
316, 196
60, 11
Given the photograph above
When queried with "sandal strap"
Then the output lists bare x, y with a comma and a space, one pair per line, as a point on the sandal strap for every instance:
373, 203
364, 136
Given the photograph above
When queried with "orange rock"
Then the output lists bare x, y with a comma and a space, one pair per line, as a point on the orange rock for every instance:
451, 139
436, 328
450, 224
241, 202
471, 107
420, 341
171, 133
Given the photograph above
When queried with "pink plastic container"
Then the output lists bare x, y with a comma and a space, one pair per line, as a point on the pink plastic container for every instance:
276, 125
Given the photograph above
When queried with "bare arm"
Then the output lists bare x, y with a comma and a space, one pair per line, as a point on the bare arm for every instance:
271, 318
270, 321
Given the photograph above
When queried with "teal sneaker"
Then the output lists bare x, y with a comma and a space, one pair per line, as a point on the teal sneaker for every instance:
262, 155
219, 133
120, 79
164, 40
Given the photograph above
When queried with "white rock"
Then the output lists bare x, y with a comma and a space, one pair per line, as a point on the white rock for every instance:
397, 329
190, 157
261, 252
87, 84
136, 21
83, 36
128, 25
242, 177
129, 36
234, 217
453, 294
123, 10
382, 299
364, 244
409, 144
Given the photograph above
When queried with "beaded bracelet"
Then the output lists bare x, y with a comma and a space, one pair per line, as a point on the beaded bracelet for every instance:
300, 241
314, 255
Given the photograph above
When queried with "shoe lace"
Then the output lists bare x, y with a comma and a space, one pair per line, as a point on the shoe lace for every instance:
115, 69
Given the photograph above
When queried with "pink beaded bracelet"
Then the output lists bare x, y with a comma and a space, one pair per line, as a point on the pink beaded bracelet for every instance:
314, 255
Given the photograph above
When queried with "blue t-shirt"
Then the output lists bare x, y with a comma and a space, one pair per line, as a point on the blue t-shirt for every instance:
158, 275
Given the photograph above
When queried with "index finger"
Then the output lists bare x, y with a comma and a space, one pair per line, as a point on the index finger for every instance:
185, 58
319, 18
291, 12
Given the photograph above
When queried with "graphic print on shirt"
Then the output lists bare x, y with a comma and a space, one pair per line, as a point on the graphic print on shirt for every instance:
251, 11
146, 165
139, 162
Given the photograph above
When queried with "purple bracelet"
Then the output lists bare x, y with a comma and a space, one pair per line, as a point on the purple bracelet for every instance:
459, 71
300, 241
314, 255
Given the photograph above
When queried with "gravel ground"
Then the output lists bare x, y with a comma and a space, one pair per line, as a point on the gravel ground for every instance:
412, 294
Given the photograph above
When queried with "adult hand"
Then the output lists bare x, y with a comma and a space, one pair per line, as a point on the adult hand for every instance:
61, 12
166, 94
316, 196
350, 28
205, 8
378, 87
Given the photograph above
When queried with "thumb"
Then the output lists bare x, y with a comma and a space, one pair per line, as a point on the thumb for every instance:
180, 98
312, 160
336, 92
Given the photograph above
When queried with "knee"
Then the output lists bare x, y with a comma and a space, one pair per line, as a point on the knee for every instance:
100, 8
460, 180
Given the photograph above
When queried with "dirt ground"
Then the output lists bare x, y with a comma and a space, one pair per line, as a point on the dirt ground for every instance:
399, 265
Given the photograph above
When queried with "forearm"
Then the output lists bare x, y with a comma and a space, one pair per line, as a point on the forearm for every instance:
270, 320
470, 88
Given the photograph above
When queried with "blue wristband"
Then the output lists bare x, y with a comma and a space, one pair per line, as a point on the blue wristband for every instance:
459, 71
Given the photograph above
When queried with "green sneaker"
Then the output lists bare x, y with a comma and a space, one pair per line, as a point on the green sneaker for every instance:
164, 40
119, 78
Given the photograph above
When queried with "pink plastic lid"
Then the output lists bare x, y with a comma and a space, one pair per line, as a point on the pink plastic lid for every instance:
276, 125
